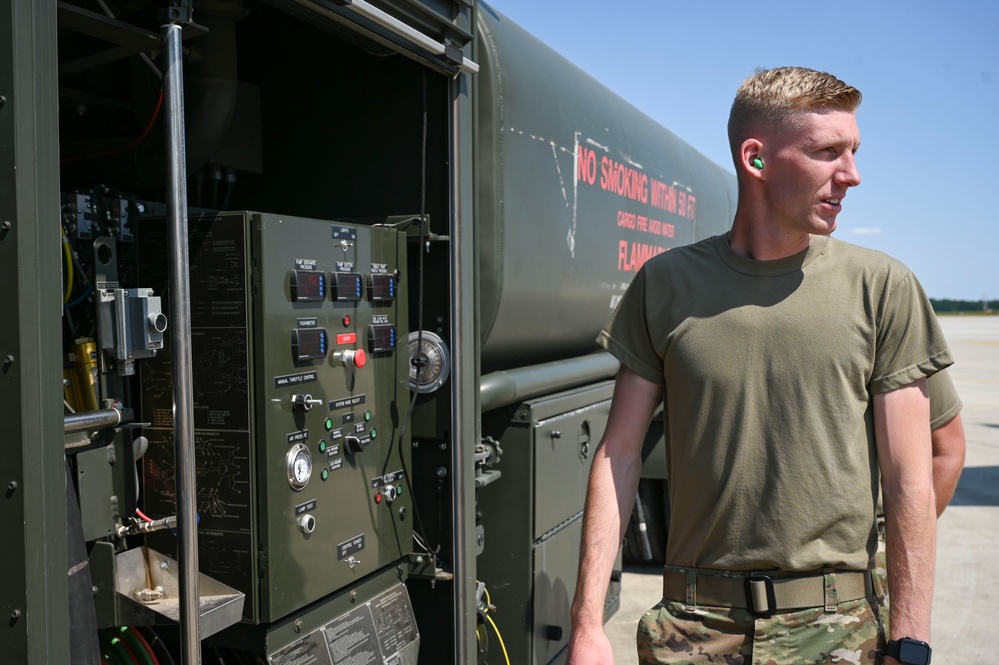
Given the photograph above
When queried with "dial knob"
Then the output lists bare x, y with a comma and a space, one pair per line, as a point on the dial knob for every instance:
429, 362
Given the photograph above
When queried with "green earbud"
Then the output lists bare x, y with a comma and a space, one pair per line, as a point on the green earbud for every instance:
758, 163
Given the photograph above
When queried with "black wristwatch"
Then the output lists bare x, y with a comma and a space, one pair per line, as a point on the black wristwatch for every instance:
909, 651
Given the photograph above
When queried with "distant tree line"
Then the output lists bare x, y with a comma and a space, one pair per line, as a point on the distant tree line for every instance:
946, 306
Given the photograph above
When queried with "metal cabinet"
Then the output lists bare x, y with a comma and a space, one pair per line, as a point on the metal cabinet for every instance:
532, 518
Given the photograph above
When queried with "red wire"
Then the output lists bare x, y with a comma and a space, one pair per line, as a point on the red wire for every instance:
142, 516
119, 642
131, 144
145, 645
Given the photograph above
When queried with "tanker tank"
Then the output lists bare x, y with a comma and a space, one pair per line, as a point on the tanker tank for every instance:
576, 188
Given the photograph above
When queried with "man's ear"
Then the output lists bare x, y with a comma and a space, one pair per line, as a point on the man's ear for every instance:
751, 160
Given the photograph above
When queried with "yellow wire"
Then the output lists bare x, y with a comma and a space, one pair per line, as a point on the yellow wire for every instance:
69, 267
500, 637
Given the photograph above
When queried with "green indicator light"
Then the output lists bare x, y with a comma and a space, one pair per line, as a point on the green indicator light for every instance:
325, 474
329, 424
398, 490
322, 446
367, 416
374, 433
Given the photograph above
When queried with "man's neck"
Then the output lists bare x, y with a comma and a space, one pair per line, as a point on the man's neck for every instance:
755, 240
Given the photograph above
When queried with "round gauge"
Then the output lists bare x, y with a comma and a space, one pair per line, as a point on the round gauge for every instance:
430, 362
299, 461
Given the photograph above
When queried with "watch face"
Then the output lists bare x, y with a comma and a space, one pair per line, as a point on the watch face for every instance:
913, 652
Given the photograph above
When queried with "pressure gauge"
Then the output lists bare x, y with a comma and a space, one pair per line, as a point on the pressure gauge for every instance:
430, 362
299, 461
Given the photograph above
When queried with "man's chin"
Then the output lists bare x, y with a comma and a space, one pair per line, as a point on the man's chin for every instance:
824, 227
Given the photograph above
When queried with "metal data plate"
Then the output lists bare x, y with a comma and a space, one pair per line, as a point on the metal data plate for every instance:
382, 630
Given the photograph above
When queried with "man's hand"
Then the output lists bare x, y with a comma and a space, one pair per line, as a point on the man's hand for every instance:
589, 647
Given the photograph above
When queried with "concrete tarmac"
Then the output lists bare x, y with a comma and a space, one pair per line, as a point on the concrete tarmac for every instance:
966, 594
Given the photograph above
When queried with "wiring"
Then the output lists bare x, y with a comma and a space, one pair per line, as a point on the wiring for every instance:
419, 532
83, 297
137, 648
115, 649
145, 644
492, 623
484, 610
110, 654
67, 253
159, 648
128, 146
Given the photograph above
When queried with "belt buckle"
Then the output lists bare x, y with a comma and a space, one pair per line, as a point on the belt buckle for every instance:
771, 596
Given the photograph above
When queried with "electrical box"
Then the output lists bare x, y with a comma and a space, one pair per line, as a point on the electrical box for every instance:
533, 518
300, 389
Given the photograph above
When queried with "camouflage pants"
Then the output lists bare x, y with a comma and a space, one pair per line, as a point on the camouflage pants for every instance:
879, 576
673, 633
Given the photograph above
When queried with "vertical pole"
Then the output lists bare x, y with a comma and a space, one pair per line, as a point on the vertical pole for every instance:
180, 324
465, 371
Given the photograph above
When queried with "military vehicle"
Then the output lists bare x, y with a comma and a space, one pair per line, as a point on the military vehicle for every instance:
317, 282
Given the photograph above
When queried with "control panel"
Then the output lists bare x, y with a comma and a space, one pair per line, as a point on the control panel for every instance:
300, 388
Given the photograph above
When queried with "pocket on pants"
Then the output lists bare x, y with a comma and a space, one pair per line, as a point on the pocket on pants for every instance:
668, 633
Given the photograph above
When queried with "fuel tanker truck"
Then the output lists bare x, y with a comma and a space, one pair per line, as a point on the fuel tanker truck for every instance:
317, 282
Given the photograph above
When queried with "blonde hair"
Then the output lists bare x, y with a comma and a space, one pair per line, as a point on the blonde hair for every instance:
774, 97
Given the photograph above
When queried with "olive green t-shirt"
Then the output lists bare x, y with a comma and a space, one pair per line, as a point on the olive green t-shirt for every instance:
768, 369
944, 402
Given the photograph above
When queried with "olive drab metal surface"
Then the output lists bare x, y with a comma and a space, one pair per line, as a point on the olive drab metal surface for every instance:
576, 189
300, 375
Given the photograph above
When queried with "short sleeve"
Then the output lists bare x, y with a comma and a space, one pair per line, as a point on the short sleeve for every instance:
944, 402
626, 335
910, 344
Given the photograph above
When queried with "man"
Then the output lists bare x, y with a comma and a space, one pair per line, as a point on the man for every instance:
948, 445
790, 365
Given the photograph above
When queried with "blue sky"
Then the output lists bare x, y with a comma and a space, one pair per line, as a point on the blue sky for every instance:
929, 121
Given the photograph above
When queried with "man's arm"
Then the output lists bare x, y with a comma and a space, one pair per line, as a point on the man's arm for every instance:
948, 460
617, 466
901, 420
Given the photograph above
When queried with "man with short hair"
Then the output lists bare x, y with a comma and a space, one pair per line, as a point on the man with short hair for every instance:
790, 366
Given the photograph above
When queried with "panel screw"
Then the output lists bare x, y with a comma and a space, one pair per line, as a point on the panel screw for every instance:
12, 485
6, 226
16, 614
